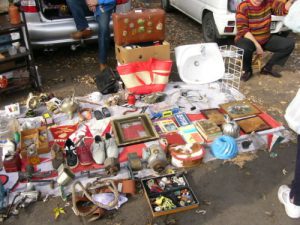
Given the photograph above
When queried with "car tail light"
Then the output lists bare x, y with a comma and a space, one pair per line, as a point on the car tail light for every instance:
228, 29
122, 2
29, 6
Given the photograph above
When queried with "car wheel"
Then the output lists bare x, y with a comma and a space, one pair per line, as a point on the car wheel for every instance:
165, 4
210, 32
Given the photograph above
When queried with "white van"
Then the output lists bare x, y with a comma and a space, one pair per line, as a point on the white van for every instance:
216, 16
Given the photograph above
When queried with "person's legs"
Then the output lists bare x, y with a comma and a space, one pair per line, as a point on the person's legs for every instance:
282, 47
79, 10
249, 48
103, 37
295, 187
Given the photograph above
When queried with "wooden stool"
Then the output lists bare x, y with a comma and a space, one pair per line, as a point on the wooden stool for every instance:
256, 62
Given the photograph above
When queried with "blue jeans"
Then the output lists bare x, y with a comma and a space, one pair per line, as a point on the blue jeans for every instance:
295, 187
79, 10
103, 35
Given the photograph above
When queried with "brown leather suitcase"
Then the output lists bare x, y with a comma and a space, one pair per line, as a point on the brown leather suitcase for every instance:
139, 26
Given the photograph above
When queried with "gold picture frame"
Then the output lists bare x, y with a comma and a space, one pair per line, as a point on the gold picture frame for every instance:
133, 129
240, 109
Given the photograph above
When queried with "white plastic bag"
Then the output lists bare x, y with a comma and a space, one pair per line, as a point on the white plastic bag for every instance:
292, 113
292, 19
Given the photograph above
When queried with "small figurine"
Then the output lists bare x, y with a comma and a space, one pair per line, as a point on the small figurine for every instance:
164, 203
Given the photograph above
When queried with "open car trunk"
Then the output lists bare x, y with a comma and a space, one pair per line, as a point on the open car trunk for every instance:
57, 9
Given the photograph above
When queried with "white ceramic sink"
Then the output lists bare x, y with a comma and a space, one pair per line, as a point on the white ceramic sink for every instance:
199, 63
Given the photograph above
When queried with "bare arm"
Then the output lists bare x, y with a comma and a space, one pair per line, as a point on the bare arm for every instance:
281, 8
92, 4
288, 4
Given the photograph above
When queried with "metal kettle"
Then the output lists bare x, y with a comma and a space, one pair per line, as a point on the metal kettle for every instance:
69, 105
230, 127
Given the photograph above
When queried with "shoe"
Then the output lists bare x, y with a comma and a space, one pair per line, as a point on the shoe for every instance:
292, 210
246, 75
265, 71
57, 156
102, 67
84, 155
71, 155
112, 150
98, 150
83, 34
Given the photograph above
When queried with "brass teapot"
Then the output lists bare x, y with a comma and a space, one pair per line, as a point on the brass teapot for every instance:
69, 105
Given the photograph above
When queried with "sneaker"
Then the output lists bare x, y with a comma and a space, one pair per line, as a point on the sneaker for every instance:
71, 155
112, 150
292, 210
57, 156
98, 150
83, 34
84, 154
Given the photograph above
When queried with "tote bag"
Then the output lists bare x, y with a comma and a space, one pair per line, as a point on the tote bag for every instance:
146, 77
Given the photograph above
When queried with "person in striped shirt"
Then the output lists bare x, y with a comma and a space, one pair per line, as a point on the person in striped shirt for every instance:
253, 21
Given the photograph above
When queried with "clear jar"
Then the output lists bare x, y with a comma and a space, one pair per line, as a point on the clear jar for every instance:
6, 129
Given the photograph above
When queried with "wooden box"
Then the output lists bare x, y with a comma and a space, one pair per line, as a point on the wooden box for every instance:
173, 191
42, 144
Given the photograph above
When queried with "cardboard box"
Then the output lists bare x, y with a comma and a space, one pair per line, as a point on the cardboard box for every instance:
125, 55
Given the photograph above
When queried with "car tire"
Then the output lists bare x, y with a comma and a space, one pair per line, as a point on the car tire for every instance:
210, 32
165, 4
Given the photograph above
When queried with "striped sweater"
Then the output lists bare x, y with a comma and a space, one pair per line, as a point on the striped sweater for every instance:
257, 19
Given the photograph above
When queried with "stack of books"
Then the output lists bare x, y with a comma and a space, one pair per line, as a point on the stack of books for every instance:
190, 134
208, 129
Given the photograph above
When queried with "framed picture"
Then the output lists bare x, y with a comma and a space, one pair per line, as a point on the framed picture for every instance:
240, 109
133, 130
253, 124
214, 115
182, 119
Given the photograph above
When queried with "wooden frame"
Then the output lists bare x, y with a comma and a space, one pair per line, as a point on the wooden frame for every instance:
240, 109
133, 129
214, 115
